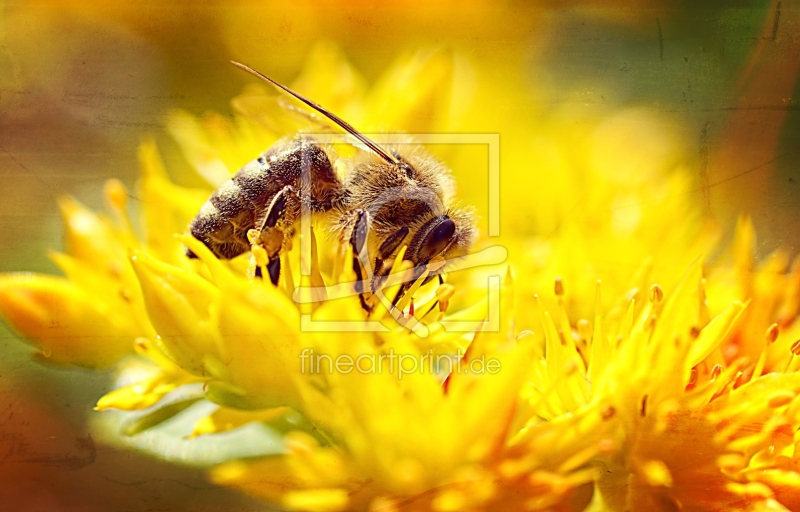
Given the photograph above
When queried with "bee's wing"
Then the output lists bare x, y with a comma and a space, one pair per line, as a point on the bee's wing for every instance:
282, 118
277, 114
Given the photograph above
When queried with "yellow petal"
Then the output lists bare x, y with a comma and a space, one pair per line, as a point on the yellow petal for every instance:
712, 335
317, 500
158, 415
95, 247
142, 394
408, 94
226, 418
178, 303
330, 78
121, 296
68, 326
91, 239
260, 328
203, 156
167, 208
269, 478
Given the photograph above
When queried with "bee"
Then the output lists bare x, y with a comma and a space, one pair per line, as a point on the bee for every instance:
388, 198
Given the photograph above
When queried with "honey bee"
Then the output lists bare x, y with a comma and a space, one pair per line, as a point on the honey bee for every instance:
388, 198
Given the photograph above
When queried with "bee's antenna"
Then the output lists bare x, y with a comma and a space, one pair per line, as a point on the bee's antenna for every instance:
333, 117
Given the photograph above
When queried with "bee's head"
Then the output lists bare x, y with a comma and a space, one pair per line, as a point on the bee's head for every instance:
433, 238
444, 236
408, 203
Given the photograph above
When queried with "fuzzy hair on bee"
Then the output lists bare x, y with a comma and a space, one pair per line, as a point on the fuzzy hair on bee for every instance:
417, 195
263, 186
391, 196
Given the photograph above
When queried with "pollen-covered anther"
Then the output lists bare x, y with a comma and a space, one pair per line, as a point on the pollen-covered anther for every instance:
743, 377
260, 255
780, 398
300, 443
632, 294
737, 381
715, 372
732, 462
607, 412
116, 194
693, 376
559, 287
656, 294
547, 483
252, 236
445, 291
657, 474
752, 490
796, 348
115, 269
443, 294
606, 446
772, 333
584, 329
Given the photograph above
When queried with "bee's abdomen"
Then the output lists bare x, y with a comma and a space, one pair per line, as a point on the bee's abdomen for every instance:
223, 221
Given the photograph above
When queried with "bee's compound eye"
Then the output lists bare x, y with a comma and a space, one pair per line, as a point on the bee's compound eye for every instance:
407, 169
437, 239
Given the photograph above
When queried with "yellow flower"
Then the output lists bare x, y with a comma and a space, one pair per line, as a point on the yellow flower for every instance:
555, 393
91, 318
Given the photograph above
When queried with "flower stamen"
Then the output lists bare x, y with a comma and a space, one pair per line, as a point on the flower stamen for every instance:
656, 294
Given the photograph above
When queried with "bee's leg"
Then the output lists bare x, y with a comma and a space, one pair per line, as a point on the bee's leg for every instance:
361, 263
392, 242
381, 271
273, 265
274, 270
262, 259
269, 238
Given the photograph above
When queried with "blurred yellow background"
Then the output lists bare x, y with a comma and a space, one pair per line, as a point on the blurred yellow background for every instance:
636, 89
